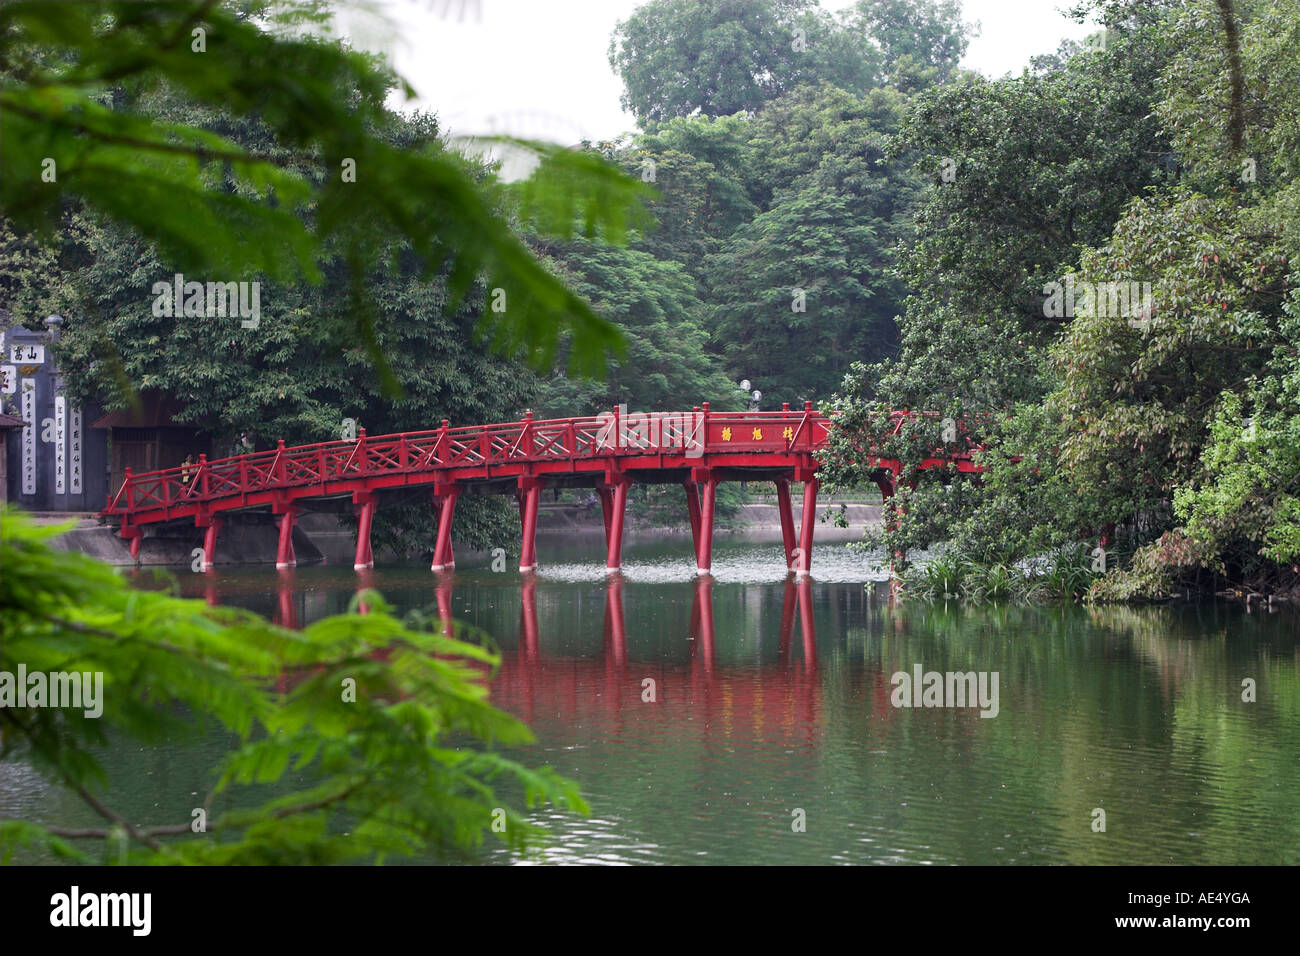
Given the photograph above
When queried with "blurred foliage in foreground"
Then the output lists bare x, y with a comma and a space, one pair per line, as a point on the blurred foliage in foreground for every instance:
380, 775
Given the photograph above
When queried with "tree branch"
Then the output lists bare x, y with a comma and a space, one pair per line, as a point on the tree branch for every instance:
199, 152
1237, 120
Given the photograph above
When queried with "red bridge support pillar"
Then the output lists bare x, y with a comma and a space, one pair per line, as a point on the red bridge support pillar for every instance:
788, 607
693, 509
787, 521
704, 548
443, 558
211, 526
885, 482
284, 556
614, 527
807, 521
365, 504
606, 496
530, 495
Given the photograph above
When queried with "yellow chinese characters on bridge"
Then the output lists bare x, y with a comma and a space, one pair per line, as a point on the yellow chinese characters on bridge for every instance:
726, 433
758, 434
788, 434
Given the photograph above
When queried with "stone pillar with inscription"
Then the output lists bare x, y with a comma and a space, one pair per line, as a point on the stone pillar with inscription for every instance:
53, 465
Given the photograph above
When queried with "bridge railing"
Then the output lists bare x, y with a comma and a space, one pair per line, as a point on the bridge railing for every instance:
610, 434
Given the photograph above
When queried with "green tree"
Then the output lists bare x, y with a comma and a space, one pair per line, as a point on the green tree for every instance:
719, 57
697, 167
922, 41
1212, 382
1025, 173
653, 303
805, 287
1136, 391
1170, 421
798, 292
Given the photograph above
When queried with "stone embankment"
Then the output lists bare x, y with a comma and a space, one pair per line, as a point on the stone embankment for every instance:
321, 538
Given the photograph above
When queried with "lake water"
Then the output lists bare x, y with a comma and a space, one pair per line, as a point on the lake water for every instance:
772, 737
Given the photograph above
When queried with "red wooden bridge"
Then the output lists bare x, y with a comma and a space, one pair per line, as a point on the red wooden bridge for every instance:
608, 452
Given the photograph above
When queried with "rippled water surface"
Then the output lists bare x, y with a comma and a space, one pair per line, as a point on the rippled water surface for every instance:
773, 705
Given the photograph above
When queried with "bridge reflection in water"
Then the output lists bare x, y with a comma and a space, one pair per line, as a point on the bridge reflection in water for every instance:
781, 696
612, 687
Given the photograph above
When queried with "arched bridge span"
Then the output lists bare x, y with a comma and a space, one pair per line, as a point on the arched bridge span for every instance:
608, 453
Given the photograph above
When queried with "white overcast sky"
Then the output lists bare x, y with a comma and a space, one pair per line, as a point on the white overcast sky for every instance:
540, 69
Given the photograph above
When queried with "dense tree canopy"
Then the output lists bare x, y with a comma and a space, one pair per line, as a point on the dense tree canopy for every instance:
805, 286
654, 303
1162, 419
720, 57
922, 41
306, 366
716, 57
698, 167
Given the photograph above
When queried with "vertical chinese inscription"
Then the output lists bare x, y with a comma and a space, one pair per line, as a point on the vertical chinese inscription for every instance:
29, 435
74, 452
60, 445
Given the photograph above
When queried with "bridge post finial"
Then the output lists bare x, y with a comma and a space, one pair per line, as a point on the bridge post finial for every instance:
785, 406
807, 406
363, 454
